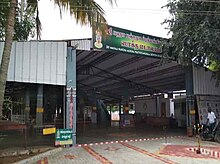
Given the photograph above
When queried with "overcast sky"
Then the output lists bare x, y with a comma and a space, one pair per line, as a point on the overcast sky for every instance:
142, 16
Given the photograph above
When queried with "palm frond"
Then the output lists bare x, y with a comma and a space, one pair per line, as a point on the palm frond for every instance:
32, 4
86, 12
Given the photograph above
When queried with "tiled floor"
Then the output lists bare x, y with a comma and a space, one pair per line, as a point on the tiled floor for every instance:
146, 151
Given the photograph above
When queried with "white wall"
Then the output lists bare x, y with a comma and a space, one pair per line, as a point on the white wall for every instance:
37, 62
171, 106
148, 106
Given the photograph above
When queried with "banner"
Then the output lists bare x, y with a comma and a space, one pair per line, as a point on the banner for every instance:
127, 41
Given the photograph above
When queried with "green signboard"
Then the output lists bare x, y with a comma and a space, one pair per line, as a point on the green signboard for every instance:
64, 137
126, 41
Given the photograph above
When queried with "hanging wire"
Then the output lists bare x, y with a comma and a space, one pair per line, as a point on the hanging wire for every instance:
211, 1
150, 11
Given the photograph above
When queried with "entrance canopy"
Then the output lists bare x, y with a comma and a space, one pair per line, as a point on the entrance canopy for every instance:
113, 75
124, 64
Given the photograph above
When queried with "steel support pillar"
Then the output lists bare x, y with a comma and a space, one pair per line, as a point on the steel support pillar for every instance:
71, 91
27, 106
40, 109
158, 106
190, 102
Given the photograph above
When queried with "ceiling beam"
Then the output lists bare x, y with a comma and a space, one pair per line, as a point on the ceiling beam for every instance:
129, 82
116, 66
98, 91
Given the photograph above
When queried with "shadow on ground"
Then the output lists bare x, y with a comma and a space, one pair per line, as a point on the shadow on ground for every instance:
89, 133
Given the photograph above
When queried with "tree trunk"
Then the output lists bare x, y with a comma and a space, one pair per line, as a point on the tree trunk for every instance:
7, 51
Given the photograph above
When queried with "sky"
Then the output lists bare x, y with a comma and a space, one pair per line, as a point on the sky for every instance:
142, 16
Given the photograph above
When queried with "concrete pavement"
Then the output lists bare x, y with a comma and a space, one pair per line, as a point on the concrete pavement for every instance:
156, 150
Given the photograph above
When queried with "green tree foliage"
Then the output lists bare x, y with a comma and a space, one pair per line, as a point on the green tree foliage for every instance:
195, 29
4, 7
25, 24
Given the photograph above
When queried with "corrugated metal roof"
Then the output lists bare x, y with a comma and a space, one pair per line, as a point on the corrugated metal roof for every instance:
114, 75
37, 62
204, 83
82, 44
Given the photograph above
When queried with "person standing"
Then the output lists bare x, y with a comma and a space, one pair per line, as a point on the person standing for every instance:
211, 119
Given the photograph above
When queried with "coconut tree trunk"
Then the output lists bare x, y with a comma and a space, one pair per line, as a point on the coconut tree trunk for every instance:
7, 51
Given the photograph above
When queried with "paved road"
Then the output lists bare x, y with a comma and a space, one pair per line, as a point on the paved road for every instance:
174, 150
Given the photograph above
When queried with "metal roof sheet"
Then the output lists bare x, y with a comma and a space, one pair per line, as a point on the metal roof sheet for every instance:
117, 75
37, 62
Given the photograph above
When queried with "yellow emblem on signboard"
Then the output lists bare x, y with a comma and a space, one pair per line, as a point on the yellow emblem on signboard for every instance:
49, 131
40, 110
192, 112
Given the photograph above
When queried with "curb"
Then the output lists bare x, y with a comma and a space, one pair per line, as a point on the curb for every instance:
208, 152
128, 140
24, 151
15, 153
39, 156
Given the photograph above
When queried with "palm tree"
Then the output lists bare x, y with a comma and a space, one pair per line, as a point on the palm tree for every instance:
7, 51
84, 11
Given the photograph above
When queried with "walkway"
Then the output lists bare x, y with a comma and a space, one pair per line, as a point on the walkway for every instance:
157, 150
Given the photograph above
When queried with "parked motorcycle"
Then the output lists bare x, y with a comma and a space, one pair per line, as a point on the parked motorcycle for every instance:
209, 134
